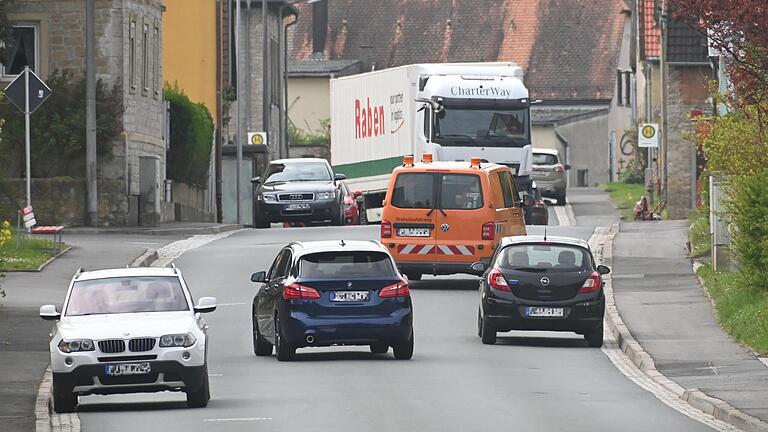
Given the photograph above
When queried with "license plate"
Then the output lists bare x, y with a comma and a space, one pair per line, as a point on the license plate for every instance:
413, 232
297, 207
544, 312
350, 296
127, 369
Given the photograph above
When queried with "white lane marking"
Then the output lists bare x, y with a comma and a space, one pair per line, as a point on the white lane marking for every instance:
237, 419
764, 360
215, 375
168, 253
562, 216
144, 243
230, 304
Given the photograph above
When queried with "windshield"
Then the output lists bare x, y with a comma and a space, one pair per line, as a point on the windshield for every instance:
456, 126
298, 171
126, 295
544, 159
551, 258
332, 265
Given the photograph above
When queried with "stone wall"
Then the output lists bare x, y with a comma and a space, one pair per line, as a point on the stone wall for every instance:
61, 201
687, 90
297, 151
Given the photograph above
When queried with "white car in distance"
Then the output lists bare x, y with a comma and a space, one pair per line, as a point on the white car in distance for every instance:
129, 330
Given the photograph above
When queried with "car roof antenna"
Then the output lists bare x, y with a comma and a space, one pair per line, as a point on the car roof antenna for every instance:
342, 243
545, 233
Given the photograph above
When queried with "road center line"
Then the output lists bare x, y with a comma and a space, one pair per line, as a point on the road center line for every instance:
236, 419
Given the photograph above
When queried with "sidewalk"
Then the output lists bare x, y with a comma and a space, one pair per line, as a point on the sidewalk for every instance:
24, 336
172, 228
669, 314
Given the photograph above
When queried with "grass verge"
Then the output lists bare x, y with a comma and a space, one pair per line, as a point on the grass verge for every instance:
624, 197
698, 234
30, 255
741, 308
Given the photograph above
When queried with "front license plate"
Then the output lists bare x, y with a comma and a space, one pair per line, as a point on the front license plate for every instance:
413, 232
544, 312
297, 207
350, 296
127, 369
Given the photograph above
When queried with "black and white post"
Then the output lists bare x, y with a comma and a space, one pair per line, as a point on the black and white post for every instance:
27, 146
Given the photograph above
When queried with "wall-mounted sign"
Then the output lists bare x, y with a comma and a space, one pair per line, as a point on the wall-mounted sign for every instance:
648, 135
257, 138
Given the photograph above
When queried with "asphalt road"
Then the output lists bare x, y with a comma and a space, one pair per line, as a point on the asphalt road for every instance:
528, 381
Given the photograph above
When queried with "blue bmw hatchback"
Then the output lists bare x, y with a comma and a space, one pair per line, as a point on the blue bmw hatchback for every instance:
332, 293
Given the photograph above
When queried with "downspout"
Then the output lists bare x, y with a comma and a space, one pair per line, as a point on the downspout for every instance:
284, 110
219, 108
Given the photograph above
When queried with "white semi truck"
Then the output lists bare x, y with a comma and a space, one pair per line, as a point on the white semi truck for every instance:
454, 111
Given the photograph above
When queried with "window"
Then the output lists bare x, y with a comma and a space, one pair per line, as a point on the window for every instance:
127, 295
460, 192
627, 88
331, 265
132, 54
507, 188
145, 59
540, 257
544, 159
619, 88
156, 64
23, 50
304, 171
274, 73
480, 127
414, 190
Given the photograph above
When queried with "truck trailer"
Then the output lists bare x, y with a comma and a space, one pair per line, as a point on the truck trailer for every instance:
455, 111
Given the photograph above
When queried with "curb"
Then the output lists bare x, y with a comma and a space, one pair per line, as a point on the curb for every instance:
642, 360
146, 259
216, 229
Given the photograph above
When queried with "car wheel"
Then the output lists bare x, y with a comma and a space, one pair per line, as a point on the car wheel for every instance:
261, 347
404, 350
259, 221
487, 333
479, 323
338, 220
413, 276
200, 397
594, 337
379, 348
363, 215
283, 351
63, 403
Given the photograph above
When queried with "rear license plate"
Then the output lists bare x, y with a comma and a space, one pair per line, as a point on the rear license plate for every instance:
297, 207
127, 369
544, 312
413, 232
350, 296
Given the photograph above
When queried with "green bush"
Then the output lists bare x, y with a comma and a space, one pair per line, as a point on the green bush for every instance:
322, 136
698, 233
632, 175
57, 129
191, 139
748, 208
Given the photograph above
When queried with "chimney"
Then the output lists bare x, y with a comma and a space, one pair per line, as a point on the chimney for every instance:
366, 57
319, 28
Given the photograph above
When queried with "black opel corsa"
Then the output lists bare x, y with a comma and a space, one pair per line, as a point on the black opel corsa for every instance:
542, 283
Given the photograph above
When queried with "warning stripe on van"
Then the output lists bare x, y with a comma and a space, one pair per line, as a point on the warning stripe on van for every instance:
413, 249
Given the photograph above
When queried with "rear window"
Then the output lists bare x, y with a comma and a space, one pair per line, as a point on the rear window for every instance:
355, 264
544, 159
414, 190
540, 257
460, 192
126, 295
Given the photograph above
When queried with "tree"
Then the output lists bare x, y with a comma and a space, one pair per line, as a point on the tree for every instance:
738, 29
191, 139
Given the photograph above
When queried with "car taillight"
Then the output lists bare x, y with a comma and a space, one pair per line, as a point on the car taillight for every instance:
386, 229
497, 281
558, 168
295, 291
399, 289
592, 284
489, 230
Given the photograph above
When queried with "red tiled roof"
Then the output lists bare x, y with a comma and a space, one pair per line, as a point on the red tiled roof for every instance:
650, 32
568, 48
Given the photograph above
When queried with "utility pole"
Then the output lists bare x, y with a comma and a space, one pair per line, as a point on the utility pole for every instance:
90, 112
664, 101
265, 66
240, 100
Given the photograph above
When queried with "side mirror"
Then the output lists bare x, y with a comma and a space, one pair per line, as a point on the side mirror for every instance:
259, 277
338, 177
256, 180
356, 194
603, 270
48, 313
478, 267
206, 304
567, 167
528, 200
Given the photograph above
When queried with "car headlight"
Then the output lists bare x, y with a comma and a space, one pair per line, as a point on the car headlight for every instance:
75, 345
269, 197
177, 340
325, 195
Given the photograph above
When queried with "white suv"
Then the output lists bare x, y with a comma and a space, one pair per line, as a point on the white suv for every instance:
129, 330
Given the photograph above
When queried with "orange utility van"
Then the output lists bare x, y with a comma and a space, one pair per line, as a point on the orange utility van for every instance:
441, 217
